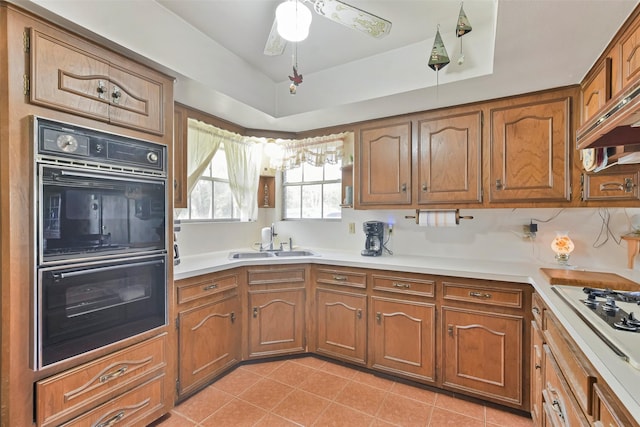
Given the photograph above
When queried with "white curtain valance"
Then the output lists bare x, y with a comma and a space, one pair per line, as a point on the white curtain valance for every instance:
316, 151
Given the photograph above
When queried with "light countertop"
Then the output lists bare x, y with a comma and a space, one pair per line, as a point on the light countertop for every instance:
622, 378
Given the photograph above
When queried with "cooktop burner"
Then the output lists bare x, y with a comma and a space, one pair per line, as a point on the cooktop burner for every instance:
612, 315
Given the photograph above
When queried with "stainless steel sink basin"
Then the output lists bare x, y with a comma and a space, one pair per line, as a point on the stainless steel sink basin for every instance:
268, 254
250, 255
294, 253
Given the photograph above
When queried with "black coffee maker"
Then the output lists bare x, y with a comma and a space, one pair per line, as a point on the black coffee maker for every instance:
374, 240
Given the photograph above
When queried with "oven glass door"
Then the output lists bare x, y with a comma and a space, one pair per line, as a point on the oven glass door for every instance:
84, 214
85, 307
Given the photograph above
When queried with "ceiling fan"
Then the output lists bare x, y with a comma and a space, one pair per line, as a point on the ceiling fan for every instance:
337, 11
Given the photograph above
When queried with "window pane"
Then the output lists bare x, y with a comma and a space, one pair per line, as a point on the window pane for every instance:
312, 201
331, 201
219, 165
332, 172
312, 173
293, 175
292, 201
224, 200
201, 200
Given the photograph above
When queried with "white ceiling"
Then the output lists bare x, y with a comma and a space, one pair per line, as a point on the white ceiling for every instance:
215, 48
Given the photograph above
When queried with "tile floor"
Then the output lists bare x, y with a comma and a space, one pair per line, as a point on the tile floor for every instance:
309, 391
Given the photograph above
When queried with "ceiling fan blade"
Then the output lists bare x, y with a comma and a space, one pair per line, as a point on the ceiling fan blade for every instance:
352, 17
275, 44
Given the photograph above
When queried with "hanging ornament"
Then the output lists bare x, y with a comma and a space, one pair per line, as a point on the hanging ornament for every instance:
462, 27
439, 58
296, 79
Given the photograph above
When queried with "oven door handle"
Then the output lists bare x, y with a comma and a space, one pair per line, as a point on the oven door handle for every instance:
76, 273
76, 174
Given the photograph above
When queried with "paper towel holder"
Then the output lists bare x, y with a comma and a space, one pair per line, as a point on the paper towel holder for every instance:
457, 212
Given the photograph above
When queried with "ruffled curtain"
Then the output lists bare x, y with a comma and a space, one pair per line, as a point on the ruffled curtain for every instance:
203, 141
243, 162
317, 151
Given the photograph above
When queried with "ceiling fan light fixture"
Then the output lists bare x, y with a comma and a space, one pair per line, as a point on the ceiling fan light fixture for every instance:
293, 20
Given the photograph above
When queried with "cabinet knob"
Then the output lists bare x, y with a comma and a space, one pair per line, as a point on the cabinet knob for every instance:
102, 89
233, 316
424, 188
116, 94
359, 313
379, 317
255, 311
403, 187
535, 309
450, 330
499, 185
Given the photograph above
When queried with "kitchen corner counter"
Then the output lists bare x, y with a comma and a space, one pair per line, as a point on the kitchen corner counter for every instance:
622, 378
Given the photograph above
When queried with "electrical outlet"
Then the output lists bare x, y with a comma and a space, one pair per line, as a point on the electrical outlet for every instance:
352, 228
529, 231
390, 227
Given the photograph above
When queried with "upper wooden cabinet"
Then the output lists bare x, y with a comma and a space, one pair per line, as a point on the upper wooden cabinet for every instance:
595, 90
530, 152
179, 156
70, 75
385, 165
449, 162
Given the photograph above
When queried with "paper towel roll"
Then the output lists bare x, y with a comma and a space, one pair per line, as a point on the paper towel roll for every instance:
266, 236
437, 219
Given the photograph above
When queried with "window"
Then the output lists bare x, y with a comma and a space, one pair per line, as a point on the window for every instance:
211, 199
312, 192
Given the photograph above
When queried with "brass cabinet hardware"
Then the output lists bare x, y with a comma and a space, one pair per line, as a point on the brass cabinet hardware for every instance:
401, 285
255, 311
359, 313
114, 374
233, 317
209, 287
479, 294
112, 421
450, 330
116, 94
339, 278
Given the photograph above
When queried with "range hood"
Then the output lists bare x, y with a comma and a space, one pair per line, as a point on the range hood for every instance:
618, 123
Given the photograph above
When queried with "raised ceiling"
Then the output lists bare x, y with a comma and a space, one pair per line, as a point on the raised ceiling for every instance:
215, 48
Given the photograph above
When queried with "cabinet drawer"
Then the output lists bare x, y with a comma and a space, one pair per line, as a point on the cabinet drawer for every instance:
295, 276
607, 411
577, 371
537, 307
611, 185
489, 295
139, 406
560, 406
72, 392
341, 278
404, 285
204, 286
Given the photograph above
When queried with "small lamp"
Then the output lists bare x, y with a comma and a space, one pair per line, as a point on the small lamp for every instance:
293, 20
562, 246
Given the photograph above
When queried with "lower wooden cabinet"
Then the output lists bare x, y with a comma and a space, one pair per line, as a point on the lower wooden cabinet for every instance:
483, 354
403, 338
341, 319
209, 342
537, 374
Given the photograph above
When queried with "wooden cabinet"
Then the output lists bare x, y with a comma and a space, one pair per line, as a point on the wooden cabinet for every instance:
341, 314
537, 374
529, 147
608, 412
267, 192
385, 156
449, 159
209, 329
85, 392
276, 317
620, 184
595, 90
486, 344
70, 75
180, 127
403, 338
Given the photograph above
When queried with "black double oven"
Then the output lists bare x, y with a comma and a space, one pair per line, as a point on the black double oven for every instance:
100, 239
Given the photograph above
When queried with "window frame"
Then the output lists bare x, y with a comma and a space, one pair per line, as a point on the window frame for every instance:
303, 183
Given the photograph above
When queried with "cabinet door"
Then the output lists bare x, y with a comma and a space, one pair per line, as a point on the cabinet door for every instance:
67, 78
136, 98
630, 55
341, 325
530, 152
403, 338
483, 354
449, 159
385, 165
276, 322
209, 340
180, 157
537, 371
596, 91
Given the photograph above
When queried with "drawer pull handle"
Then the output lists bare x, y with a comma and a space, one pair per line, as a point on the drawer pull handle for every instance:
401, 285
209, 287
339, 278
115, 374
479, 294
359, 313
379, 317
255, 311
627, 186
233, 317
450, 330
538, 366
557, 408
111, 421
536, 310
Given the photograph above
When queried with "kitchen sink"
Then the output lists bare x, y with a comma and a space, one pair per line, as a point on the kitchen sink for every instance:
294, 253
268, 254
